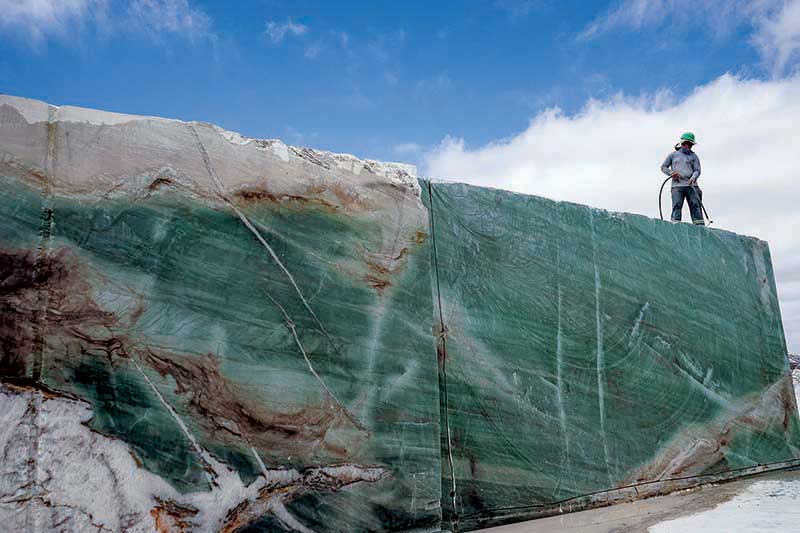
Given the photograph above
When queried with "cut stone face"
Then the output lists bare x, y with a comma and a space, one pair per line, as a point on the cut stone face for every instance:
220, 333
247, 317
586, 350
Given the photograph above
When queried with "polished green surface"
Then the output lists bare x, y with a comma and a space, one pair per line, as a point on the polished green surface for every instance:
586, 350
184, 294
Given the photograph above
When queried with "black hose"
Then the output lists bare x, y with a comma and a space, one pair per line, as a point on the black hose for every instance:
703, 207
660, 194
699, 199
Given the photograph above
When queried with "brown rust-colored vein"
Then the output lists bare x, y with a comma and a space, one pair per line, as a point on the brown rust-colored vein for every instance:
290, 323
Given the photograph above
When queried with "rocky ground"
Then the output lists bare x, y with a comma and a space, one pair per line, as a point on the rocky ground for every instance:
753, 505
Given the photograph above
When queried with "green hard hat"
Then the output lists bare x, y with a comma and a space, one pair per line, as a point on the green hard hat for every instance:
688, 136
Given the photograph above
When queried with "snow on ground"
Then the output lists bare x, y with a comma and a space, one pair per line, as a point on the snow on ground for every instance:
766, 506
770, 505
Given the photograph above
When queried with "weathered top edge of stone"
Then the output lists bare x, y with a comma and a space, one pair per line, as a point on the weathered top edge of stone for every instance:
380, 167
616, 214
38, 111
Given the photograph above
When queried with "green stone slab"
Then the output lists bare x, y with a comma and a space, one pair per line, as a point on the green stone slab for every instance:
184, 289
586, 350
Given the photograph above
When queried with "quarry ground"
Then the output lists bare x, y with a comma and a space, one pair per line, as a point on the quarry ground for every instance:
762, 503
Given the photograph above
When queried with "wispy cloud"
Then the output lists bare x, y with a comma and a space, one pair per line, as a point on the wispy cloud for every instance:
774, 24
518, 8
169, 16
409, 152
38, 20
312, 50
385, 46
436, 84
278, 31
299, 138
323, 41
391, 78
608, 155
778, 37
342, 37
407, 149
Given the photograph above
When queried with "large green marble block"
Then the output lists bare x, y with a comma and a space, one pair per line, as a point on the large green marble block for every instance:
205, 332
583, 350
226, 334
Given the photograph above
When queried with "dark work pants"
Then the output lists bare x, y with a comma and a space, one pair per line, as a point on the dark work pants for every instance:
692, 196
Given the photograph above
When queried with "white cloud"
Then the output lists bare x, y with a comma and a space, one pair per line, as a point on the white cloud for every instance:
41, 19
278, 31
38, 18
775, 24
719, 16
608, 155
778, 37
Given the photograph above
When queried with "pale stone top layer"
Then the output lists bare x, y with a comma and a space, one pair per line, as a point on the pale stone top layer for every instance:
89, 151
94, 155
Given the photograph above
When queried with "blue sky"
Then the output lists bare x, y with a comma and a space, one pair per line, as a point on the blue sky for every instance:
379, 79
574, 100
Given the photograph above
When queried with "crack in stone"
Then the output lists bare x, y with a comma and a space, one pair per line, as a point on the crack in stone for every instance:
289, 322
222, 191
291, 325
601, 378
211, 474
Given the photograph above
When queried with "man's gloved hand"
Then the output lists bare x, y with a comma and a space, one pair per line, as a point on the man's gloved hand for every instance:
692, 182
675, 176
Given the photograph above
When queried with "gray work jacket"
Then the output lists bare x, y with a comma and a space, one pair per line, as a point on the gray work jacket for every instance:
685, 163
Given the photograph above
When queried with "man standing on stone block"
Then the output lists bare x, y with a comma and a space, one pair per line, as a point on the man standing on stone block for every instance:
683, 166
